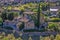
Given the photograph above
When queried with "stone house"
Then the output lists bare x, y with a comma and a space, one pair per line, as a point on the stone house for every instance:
54, 10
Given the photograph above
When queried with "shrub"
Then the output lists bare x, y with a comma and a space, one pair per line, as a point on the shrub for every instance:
21, 26
55, 19
53, 26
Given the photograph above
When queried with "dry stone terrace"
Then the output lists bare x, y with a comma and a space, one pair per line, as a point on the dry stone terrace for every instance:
46, 33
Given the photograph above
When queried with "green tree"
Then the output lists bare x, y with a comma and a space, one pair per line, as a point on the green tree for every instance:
15, 14
41, 38
5, 38
4, 16
44, 6
47, 38
38, 16
57, 37
52, 37
10, 16
21, 26
30, 38
19, 38
9, 8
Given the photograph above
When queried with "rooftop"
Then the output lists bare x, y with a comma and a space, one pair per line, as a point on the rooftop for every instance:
53, 9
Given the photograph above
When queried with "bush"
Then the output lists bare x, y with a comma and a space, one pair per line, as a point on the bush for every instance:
30, 38
4, 15
55, 19
53, 26
57, 37
10, 16
9, 8
21, 26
